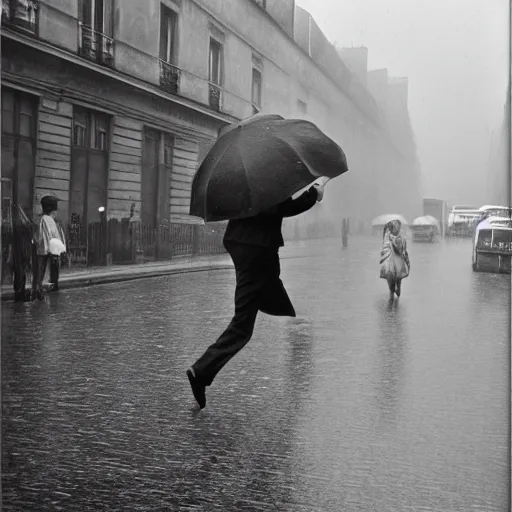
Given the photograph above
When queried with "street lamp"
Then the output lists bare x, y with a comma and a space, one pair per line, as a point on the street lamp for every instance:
103, 235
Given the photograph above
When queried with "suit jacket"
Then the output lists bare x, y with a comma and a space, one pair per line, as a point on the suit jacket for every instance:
264, 229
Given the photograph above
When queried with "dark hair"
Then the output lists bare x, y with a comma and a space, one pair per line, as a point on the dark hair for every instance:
389, 225
49, 204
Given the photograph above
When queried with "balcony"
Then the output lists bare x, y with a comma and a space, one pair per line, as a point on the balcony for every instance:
21, 14
215, 96
169, 77
95, 46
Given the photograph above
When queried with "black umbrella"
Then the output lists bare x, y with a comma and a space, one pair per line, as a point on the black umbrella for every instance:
259, 163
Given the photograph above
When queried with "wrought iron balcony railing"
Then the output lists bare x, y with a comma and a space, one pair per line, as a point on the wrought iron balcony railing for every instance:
169, 77
96, 46
21, 14
215, 96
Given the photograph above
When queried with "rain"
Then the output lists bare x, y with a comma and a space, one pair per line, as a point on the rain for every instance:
256, 255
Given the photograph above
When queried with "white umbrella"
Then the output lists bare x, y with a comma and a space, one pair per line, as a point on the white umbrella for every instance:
425, 220
384, 219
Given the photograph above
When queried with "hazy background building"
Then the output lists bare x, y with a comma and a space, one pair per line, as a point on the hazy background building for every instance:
499, 183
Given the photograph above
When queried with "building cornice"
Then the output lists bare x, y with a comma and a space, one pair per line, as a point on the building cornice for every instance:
66, 93
50, 49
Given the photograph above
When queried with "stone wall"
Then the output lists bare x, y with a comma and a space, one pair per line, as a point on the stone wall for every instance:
53, 157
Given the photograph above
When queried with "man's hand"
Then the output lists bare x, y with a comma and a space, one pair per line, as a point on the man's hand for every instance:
320, 190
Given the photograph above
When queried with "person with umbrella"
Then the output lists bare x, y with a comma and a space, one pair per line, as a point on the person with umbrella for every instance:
253, 235
394, 258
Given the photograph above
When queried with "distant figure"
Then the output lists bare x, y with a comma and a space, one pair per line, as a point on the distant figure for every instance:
344, 232
51, 245
253, 244
18, 237
394, 258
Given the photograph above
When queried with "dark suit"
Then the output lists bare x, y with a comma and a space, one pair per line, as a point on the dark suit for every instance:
253, 244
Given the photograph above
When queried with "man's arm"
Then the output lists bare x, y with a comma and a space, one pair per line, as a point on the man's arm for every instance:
304, 202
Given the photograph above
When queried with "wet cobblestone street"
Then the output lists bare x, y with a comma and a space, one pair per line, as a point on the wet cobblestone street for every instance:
358, 404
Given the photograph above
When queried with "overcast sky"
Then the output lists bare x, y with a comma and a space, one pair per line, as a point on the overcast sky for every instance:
455, 54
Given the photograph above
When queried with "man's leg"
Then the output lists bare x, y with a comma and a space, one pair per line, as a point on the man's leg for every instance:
230, 342
251, 277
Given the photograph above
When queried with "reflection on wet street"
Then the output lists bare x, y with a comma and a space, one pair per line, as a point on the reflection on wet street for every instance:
358, 404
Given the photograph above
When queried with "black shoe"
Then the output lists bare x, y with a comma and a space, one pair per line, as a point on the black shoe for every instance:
197, 389
53, 287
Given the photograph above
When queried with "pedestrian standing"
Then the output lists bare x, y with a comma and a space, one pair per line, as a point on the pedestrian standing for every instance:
344, 232
23, 231
253, 244
394, 258
51, 245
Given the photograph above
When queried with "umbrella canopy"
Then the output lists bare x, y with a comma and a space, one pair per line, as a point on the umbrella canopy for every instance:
384, 219
259, 163
426, 220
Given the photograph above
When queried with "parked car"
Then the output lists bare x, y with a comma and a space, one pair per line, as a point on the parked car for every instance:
492, 245
462, 221
425, 229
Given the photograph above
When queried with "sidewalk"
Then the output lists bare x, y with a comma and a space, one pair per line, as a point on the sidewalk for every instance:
115, 273
78, 277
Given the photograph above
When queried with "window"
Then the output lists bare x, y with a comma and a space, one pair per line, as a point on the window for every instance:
256, 88
7, 111
169, 73
168, 34
79, 134
216, 64
215, 74
90, 129
19, 128
21, 13
96, 14
168, 144
100, 133
80, 128
95, 31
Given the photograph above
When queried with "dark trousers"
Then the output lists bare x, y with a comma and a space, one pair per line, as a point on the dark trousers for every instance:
21, 264
258, 287
41, 269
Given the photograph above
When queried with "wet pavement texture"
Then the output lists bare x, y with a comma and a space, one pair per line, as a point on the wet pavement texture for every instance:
358, 404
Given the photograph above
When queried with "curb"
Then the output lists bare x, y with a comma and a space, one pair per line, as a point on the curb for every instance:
122, 275
91, 280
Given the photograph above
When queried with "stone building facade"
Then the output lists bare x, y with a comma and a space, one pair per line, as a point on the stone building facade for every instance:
113, 104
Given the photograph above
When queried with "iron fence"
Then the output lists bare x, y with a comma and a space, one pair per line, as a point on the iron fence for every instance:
134, 242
